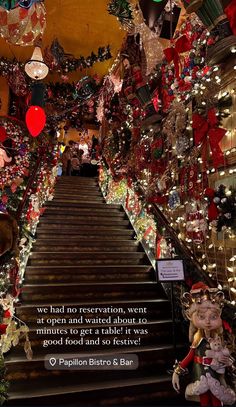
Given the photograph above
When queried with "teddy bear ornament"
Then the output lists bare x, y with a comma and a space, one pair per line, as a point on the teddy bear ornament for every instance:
208, 352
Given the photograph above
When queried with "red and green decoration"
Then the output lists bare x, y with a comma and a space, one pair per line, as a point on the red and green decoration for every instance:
15, 143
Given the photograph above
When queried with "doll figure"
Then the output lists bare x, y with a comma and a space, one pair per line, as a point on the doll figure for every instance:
215, 353
203, 307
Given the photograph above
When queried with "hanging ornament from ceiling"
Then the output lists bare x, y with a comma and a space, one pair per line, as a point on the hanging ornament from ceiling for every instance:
150, 42
22, 26
35, 120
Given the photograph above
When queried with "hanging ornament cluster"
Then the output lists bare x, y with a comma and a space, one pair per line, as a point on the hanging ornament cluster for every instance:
22, 26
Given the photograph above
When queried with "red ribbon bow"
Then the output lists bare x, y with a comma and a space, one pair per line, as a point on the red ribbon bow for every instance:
230, 11
205, 129
172, 53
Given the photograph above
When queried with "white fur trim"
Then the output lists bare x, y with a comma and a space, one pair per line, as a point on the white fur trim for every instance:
225, 394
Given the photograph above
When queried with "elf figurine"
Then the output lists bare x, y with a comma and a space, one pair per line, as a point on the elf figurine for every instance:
202, 306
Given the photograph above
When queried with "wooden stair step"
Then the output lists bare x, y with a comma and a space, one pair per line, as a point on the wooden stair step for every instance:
81, 220
88, 269
84, 277
81, 198
76, 235
59, 247
81, 243
112, 392
87, 291
76, 192
73, 227
61, 210
54, 274
99, 205
83, 258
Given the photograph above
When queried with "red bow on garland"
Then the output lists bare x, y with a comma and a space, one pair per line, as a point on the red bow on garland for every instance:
207, 129
172, 53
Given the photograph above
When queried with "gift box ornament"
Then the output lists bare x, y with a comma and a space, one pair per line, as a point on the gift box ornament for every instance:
212, 15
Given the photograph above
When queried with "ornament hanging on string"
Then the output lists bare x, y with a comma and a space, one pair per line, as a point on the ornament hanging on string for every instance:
35, 120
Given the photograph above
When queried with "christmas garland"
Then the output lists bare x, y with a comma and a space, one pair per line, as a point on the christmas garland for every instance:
16, 146
68, 64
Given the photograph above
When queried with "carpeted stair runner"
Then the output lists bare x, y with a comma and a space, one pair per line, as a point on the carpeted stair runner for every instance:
85, 256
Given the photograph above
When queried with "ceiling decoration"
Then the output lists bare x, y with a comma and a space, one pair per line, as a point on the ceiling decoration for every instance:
81, 28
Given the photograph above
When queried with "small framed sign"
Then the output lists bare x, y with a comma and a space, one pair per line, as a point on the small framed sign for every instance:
170, 270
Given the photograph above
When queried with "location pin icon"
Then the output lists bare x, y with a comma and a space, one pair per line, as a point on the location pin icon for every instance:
52, 361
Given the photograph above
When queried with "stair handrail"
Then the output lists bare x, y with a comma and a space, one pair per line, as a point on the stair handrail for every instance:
179, 244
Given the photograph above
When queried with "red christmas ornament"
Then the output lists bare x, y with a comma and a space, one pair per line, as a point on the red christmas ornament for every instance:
3, 134
35, 120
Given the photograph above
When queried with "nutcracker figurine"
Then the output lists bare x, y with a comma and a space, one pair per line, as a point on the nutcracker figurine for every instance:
202, 306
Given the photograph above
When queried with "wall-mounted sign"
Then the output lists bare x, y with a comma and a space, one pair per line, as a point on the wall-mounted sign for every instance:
170, 270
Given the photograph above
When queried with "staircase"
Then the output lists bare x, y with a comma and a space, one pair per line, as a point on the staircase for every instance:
86, 257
